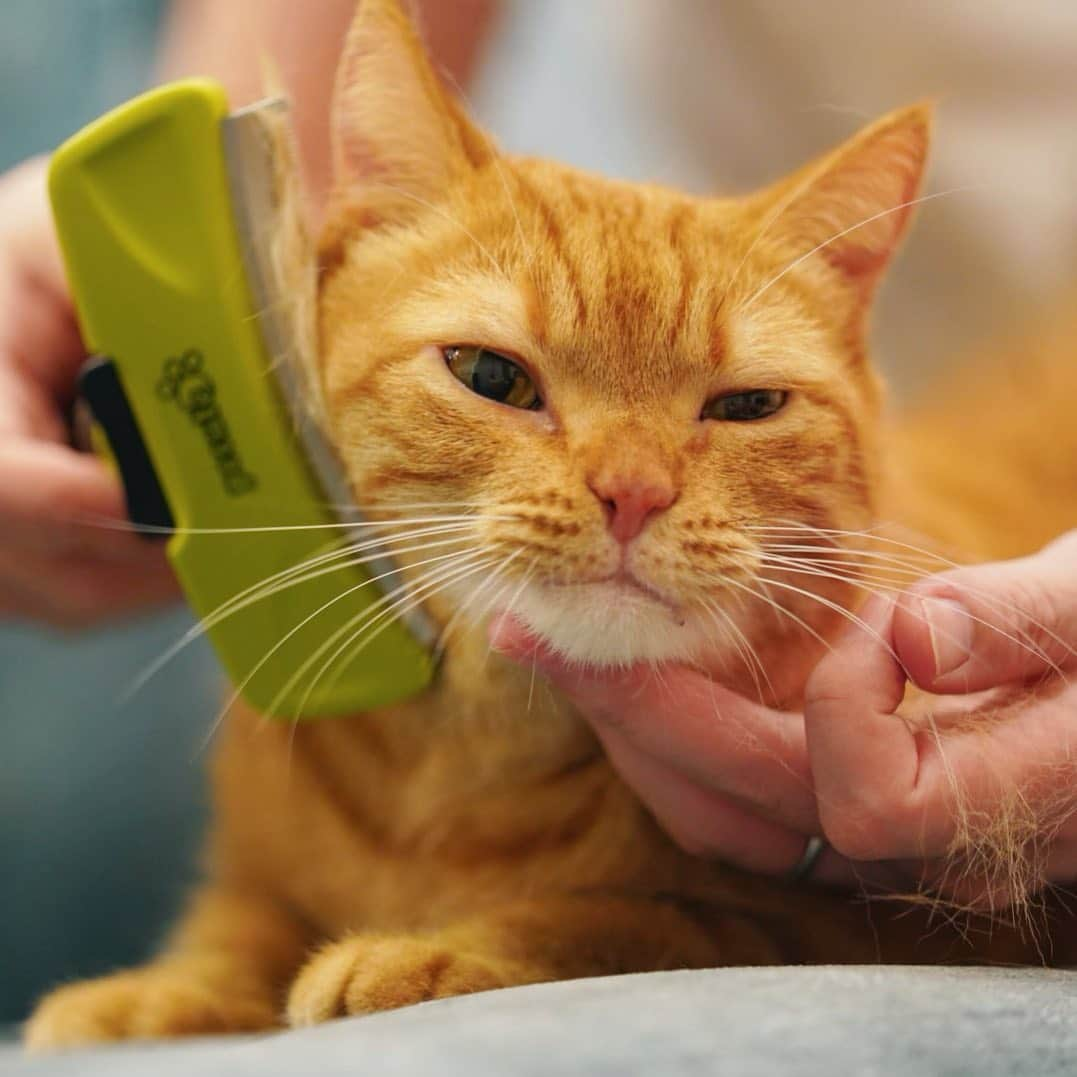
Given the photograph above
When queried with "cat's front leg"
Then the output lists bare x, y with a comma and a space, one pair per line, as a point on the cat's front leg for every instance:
226, 970
527, 942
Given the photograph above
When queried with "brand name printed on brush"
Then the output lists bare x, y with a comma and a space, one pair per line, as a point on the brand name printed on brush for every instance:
186, 381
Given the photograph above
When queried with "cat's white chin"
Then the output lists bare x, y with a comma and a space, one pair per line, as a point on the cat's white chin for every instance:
610, 624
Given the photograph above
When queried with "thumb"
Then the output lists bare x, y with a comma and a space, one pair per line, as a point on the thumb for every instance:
989, 625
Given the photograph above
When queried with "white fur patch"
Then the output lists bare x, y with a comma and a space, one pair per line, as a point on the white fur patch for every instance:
608, 624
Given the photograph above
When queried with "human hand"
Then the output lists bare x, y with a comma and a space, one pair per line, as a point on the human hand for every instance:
55, 566
955, 803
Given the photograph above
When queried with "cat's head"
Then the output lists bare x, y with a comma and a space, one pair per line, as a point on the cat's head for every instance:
633, 397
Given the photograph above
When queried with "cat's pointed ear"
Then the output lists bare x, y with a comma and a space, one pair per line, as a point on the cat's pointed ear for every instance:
852, 206
398, 136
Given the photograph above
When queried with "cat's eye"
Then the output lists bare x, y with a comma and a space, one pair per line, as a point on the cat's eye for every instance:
744, 407
493, 376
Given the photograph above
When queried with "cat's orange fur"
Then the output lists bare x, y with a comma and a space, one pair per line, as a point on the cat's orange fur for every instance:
476, 837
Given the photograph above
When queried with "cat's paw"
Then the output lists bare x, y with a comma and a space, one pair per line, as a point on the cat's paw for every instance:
367, 974
150, 1003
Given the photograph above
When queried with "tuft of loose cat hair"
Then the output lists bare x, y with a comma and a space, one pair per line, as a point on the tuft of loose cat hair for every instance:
292, 261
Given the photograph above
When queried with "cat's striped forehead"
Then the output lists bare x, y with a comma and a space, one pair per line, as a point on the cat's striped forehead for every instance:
632, 291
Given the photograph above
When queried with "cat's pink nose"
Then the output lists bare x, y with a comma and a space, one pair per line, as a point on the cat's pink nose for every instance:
630, 500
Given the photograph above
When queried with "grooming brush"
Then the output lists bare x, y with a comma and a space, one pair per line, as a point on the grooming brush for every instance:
172, 214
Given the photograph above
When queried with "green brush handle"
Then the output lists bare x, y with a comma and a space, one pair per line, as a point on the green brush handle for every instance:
143, 208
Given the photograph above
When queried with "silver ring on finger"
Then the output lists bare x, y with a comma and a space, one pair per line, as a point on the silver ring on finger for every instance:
814, 848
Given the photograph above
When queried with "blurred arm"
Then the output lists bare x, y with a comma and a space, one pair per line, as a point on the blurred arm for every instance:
229, 41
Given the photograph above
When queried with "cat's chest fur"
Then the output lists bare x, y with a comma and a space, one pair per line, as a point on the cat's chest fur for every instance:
481, 791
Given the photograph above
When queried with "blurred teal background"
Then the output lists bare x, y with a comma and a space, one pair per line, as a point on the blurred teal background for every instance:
100, 804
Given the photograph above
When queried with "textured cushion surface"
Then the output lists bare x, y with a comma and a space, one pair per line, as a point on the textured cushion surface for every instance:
864, 1021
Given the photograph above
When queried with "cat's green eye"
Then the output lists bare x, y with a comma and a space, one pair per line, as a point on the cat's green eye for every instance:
493, 376
744, 407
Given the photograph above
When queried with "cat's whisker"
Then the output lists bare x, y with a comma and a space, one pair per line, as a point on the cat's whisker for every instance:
857, 561
462, 609
525, 579
508, 609
851, 574
341, 525
392, 613
389, 601
872, 534
780, 610
882, 587
388, 605
241, 687
744, 649
852, 228
838, 608
985, 596
916, 572
486, 585
294, 576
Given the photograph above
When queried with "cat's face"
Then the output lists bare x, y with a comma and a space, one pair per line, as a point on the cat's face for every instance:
638, 394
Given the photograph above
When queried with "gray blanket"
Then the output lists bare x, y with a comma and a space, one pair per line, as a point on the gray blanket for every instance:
825, 1021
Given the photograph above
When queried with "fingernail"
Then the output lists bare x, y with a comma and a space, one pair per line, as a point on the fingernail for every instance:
950, 628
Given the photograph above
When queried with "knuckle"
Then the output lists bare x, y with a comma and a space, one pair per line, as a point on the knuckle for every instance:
826, 686
860, 830
691, 837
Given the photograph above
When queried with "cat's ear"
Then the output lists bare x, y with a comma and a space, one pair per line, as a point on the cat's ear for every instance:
852, 206
399, 138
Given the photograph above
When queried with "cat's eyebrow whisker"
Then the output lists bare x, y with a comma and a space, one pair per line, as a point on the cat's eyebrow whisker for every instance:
852, 228
445, 216
776, 214
495, 158
295, 576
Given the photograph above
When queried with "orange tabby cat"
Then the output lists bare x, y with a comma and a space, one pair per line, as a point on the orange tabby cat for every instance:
611, 388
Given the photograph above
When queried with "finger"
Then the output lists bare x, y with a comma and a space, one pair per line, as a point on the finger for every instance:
27, 412
39, 339
720, 740
36, 314
890, 788
864, 758
700, 821
713, 826
55, 501
989, 625
73, 593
